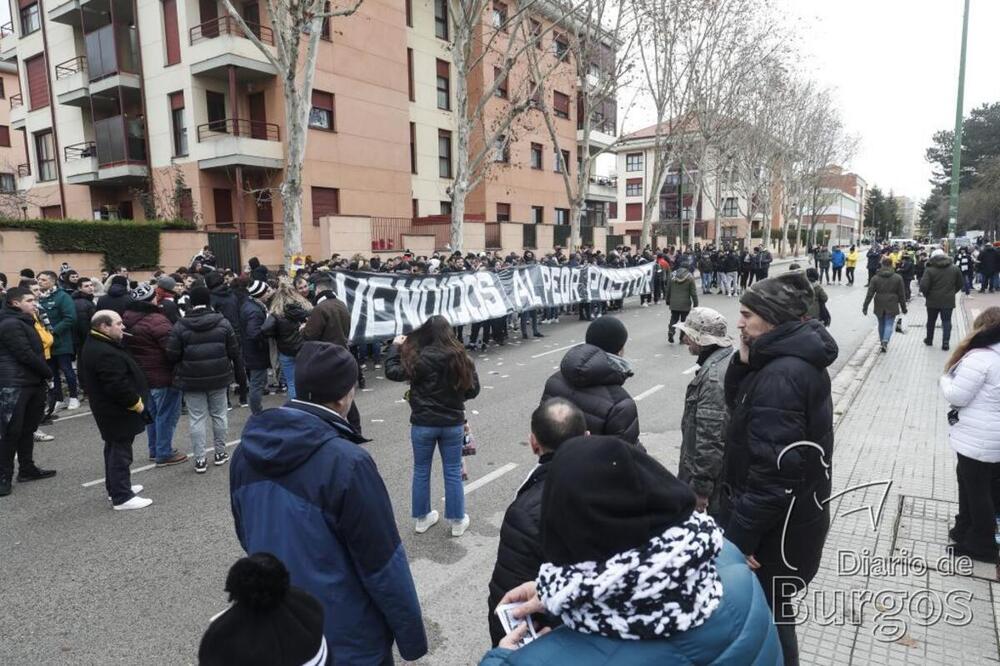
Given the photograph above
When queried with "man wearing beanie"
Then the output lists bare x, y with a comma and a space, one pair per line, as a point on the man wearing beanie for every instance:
256, 350
304, 489
118, 297
592, 375
778, 394
166, 288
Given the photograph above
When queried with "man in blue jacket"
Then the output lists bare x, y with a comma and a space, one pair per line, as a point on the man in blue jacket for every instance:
303, 489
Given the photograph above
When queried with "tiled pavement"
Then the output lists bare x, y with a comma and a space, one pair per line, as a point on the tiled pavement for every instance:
895, 429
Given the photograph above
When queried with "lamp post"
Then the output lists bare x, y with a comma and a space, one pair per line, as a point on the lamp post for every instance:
956, 158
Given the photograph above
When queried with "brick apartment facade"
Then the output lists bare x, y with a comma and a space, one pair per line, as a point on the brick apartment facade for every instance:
843, 204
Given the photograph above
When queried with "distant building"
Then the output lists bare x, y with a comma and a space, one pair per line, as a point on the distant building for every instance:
909, 212
840, 212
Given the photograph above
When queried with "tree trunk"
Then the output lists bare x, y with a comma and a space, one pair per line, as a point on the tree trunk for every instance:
462, 177
715, 207
291, 186
575, 239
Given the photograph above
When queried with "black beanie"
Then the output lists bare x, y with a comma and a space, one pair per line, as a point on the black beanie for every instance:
200, 296
120, 280
604, 496
780, 299
270, 623
324, 372
213, 279
607, 333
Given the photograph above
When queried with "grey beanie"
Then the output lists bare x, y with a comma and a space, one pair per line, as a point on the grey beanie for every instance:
780, 299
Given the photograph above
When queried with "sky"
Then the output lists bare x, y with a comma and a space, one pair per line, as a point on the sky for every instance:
894, 65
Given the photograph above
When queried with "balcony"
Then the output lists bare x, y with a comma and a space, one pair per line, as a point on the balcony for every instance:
221, 43
602, 188
72, 85
80, 163
18, 111
598, 140
111, 60
67, 13
120, 148
239, 142
8, 42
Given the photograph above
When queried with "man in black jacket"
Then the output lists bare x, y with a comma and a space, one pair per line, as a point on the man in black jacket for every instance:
83, 301
519, 554
117, 390
24, 377
779, 443
225, 302
256, 355
117, 297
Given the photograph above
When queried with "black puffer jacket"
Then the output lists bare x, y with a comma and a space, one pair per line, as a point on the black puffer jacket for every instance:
590, 379
116, 299
225, 301
781, 397
204, 348
286, 329
85, 309
22, 358
434, 400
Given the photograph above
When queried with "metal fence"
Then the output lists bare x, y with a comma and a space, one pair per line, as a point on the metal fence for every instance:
529, 236
493, 236
561, 234
613, 241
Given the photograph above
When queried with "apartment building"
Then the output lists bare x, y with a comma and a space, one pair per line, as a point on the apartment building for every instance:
841, 206
909, 212
129, 103
11, 148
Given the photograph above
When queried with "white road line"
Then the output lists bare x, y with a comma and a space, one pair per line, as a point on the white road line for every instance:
483, 480
553, 351
88, 484
648, 392
60, 417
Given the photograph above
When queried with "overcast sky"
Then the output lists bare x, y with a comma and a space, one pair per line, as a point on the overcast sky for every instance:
895, 66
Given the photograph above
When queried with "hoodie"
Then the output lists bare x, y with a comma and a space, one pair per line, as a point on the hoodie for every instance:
941, 281
116, 299
681, 294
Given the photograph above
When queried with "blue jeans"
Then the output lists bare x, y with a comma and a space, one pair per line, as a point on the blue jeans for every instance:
165, 408
885, 326
706, 281
449, 439
258, 384
288, 370
62, 364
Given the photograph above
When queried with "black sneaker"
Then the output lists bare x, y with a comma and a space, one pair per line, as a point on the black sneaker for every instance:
34, 474
4, 486
928, 342
200, 466
221, 458
945, 347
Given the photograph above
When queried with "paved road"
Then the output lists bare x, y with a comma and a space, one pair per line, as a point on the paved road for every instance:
83, 584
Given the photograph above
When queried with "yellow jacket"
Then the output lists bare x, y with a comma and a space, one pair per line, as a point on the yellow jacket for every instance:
46, 336
852, 258
895, 256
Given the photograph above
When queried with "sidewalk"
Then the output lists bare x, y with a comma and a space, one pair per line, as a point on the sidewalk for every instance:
861, 607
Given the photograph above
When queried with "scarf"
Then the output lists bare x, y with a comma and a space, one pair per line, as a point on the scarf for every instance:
666, 586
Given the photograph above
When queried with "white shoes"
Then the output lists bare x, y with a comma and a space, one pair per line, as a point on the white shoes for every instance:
427, 522
43, 437
134, 503
458, 527
136, 489
72, 403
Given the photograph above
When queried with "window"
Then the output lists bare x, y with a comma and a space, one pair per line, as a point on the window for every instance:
441, 19
537, 214
499, 16
633, 212
2, 93
443, 85
4, 136
501, 80
325, 202
222, 202
633, 162
557, 159
414, 204
560, 104
729, 207
536, 156
633, 187
216, 103
409, 75
38, 82
446, 208
413, 147
501, 149
444, 154
178, 123
535, 29
562, 215
52, 212
7, 182
325, 30
322, 114
171, 35
560, 47
565, 159
503, 212
409, 13
186, 204
30, 19
45, 154
613, 210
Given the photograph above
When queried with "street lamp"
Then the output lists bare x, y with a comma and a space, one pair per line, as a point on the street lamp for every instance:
956, 155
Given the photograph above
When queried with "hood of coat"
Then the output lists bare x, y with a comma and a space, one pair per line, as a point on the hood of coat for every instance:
201, 319
222, 290
141, 308
808, 340
117, 290
886, 272
940, 261
588, 365
82, 296
682, 275
296, 312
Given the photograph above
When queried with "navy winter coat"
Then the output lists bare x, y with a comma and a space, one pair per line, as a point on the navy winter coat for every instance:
303, 489
256, 351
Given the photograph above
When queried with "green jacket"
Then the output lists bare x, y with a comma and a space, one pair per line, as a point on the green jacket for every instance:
889, 293
819, 296
59, 307
941, 281
681, 292
703, 427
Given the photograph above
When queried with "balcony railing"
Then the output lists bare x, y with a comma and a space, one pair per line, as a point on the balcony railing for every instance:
227, 25
79, 151
7, 29
23, 170
16, 101
72, 66
388, 232
120, 140
253, 129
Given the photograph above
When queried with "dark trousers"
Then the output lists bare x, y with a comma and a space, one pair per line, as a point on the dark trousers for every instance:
838, 273
871, 274
19, 433
975, 524
932, 315
850, 275
824, 272
529, 315
62, 364
676, 316
987, 283
117, 477
746, 278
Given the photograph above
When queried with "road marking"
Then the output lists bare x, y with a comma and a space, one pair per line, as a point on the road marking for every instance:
483, 480
648, 392
60, 417
88, 484
553, 351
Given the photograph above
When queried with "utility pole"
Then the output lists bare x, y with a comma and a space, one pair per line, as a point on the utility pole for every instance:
956, 158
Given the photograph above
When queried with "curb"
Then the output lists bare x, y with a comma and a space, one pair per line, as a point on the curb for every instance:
847, 384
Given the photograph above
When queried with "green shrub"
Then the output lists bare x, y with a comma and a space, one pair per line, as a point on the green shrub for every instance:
134, 245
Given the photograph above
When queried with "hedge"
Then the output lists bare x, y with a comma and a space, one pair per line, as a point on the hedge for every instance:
134, 245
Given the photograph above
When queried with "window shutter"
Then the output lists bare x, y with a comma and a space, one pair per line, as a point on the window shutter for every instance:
170, 33
38, 82
561, 103
176, 100
443, 68
633, 212
322, 100
4, 136
325, 202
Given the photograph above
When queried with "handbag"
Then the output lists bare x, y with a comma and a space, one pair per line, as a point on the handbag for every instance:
469, 443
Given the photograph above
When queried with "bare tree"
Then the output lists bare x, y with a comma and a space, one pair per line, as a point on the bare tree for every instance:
297, 26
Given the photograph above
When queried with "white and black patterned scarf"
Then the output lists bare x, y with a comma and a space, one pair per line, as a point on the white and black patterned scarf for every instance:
667, 586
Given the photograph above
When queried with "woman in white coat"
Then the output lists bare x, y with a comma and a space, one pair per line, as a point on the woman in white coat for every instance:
971, 385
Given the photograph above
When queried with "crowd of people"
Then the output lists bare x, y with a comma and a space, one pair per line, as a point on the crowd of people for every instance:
604, 554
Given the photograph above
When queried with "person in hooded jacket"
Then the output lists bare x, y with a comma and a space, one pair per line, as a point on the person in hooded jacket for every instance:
778, 394
851, 263
258, 271
256, 351
837, 261
592, 377
681, 295
971, 385
149, 330
889, 294
906, 268
226, 302
634, 572
442, 377
519, 553
117, 296
942, 280
205, 351
823, 260
288, 314
303, 489
83, 301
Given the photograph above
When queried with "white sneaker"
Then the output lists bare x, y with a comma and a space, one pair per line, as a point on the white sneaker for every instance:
43, 437
134, 503
427, 522
59, 406
136, 489
74, 403
458, 527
